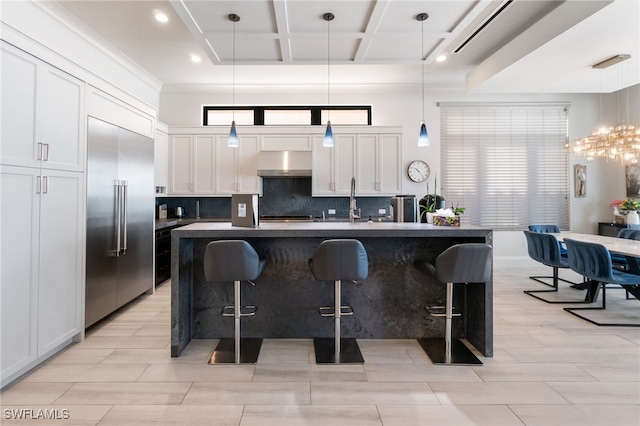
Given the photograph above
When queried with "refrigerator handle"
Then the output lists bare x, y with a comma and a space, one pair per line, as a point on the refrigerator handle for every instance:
118, 215
124, 217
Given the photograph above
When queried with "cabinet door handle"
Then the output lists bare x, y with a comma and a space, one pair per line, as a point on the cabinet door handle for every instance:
46, 152
40, 151
45, 184
124, 217
118, 216
39, 185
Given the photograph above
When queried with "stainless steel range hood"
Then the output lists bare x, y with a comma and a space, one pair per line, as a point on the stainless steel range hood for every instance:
284, 163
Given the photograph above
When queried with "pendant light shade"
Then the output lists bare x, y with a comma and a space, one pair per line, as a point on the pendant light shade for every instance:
328, 136
423, 138
233, 134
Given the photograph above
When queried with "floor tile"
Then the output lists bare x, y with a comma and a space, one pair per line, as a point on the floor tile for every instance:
308, 373
287, 415
33, 393
371, 393
171, 415
216, 393
197, 372
598, 392
439, 415
86, 373
496, 393
532, 372
125, 393
419, 373
583, 415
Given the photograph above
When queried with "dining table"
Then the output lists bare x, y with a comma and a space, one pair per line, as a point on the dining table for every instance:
628, 248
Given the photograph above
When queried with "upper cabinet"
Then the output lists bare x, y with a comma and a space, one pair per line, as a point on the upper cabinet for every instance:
371, 156
201, 163
161, 159
42, 110
377, 164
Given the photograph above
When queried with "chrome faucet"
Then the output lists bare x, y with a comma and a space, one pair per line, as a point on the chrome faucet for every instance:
353, 207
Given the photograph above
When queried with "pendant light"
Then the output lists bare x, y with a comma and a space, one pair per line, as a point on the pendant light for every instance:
233, 134
328, 134
423, 138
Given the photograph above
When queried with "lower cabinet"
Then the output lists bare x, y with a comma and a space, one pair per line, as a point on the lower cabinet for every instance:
41, 264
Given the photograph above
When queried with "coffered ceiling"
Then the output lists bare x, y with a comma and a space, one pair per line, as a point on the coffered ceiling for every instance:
501, 46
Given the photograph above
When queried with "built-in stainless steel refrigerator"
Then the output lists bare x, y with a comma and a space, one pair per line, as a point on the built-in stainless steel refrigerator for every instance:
120, 218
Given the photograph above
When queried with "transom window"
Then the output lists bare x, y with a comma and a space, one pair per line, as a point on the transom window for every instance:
286, 115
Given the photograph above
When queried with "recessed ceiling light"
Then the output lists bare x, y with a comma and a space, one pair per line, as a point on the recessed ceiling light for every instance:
441, 58
196, 59
161, 17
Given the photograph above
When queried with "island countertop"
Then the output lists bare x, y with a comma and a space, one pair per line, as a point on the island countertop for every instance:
390, 303
332, 229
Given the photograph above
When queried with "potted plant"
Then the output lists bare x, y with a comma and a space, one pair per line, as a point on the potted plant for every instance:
629, 207
428, 205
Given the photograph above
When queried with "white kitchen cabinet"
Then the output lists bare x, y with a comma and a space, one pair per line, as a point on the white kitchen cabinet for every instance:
191, 166
334, 167
204, 165
247, 165
237, 168
180, 164
42, 273
42, 110
161, 159
378, 164
204, 173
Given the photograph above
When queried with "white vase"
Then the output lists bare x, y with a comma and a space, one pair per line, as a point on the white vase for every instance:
430, 217
633, 218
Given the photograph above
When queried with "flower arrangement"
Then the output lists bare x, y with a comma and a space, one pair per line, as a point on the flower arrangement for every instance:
430, 202
446, 217
626, 205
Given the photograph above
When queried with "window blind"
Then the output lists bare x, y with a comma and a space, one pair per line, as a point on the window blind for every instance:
506, 164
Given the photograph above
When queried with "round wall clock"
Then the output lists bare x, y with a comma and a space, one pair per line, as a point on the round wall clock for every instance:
418, 171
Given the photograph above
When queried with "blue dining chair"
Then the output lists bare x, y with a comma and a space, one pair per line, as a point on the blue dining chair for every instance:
545, 229
593, 261
545, 248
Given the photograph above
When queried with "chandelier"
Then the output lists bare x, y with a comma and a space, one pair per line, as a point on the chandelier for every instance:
619, 143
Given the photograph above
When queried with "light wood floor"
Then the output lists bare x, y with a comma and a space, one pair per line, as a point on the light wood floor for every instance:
549, 368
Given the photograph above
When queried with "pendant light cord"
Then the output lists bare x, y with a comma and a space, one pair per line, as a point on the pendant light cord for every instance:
329, 69
233, 75
422, 66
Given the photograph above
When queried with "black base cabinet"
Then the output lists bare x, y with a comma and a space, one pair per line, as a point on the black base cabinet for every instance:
163, 254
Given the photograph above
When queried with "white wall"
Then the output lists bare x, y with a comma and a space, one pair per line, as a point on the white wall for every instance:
401, 106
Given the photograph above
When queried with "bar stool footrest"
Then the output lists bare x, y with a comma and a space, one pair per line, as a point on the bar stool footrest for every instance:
245, 311
349, 351
328, 311
225, 351
440, 311
460, 354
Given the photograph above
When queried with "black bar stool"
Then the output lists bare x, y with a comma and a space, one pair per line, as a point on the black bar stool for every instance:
338, 260
234, 260
461, 263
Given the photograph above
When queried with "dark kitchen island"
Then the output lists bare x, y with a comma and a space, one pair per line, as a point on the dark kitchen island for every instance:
390, 303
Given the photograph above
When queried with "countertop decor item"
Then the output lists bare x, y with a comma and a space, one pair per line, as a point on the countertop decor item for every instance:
446, 217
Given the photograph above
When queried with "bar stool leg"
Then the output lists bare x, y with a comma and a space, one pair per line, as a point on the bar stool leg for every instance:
337, 311
236, 315
448, 320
